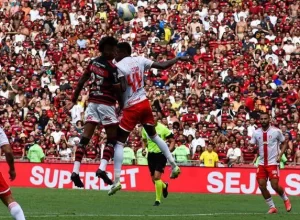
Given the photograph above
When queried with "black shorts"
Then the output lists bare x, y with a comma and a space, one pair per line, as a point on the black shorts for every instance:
156, 162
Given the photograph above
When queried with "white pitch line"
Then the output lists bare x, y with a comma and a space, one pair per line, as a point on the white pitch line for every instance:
53, 215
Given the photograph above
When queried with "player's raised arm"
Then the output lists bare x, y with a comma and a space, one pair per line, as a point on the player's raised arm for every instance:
169, 63
84, 78
10, 160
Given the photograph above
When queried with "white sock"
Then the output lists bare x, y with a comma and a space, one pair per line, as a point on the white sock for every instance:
270, 202
284, 197
164, 149
103, 164
118, 161
16, 211
76, 167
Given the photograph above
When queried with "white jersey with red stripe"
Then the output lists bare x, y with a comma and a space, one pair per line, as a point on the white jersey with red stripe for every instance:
133, 69
3, 138
268, 143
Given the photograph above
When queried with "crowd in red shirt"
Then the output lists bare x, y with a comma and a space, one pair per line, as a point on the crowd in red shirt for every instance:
246, 61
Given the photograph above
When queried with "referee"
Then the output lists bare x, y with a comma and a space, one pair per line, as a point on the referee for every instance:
156, 160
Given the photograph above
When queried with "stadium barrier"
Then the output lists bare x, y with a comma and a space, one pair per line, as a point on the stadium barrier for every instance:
136, 178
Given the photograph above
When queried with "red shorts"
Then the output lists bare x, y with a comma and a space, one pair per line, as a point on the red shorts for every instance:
267, 172
4, 188
140, 113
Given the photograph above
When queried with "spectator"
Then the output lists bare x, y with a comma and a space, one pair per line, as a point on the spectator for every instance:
233, 154
129, 157
57, 134
35, 154
246, 61
141, 156
64, 152
209, 158
181, 154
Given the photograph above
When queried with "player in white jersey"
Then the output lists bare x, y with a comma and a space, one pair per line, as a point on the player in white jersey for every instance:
272, 145
5, 193
137, 109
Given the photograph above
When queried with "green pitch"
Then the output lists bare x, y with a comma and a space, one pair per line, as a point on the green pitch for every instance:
49, 204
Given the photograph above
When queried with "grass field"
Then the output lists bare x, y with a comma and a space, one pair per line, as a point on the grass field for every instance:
58, 204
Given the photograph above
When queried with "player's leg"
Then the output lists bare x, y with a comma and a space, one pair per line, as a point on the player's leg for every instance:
6, 197
118, 160
160, 187
150, 129
109, 120
91, 122
274, 179
147, 121
108, 153
127, 124
262, 183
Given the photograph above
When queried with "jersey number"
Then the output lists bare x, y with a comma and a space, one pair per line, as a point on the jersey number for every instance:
135, 81
97, 81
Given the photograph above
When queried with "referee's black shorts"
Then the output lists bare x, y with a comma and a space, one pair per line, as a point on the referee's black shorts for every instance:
156, 162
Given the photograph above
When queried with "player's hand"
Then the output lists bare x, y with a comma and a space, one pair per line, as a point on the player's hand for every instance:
186, 59
68, 106
12, 174
278, 159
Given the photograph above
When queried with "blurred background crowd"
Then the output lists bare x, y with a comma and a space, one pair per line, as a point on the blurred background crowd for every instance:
246, 55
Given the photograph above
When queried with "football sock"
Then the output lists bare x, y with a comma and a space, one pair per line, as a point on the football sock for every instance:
103, 164
108, 153
80, 150
284, 197
118, 160
158, 189
164, 149
270, 202
76, 167
16, 211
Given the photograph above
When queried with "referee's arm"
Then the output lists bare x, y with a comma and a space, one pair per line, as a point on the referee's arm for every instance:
144, 143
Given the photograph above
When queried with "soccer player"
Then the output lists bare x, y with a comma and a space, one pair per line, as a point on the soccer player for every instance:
156, 160
137, 108
272, 145
106, 87
5, 193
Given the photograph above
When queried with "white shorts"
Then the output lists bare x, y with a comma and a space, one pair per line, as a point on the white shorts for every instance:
100, 113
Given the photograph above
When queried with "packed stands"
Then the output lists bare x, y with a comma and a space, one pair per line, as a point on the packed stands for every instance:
246, 61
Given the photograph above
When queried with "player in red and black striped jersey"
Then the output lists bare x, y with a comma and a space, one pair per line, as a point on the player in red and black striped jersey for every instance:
105, 90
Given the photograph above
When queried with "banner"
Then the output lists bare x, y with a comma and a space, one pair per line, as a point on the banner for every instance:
137, 178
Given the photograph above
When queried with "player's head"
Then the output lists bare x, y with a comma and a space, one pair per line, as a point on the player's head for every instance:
124, 50
265, 120
108, 47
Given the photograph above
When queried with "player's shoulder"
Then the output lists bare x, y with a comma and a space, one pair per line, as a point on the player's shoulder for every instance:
124, 61
275, 129
104, 63
257, 131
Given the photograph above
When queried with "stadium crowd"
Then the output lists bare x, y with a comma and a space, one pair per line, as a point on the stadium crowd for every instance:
246, 61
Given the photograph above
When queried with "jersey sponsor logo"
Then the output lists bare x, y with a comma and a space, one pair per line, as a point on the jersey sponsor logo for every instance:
98, 70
